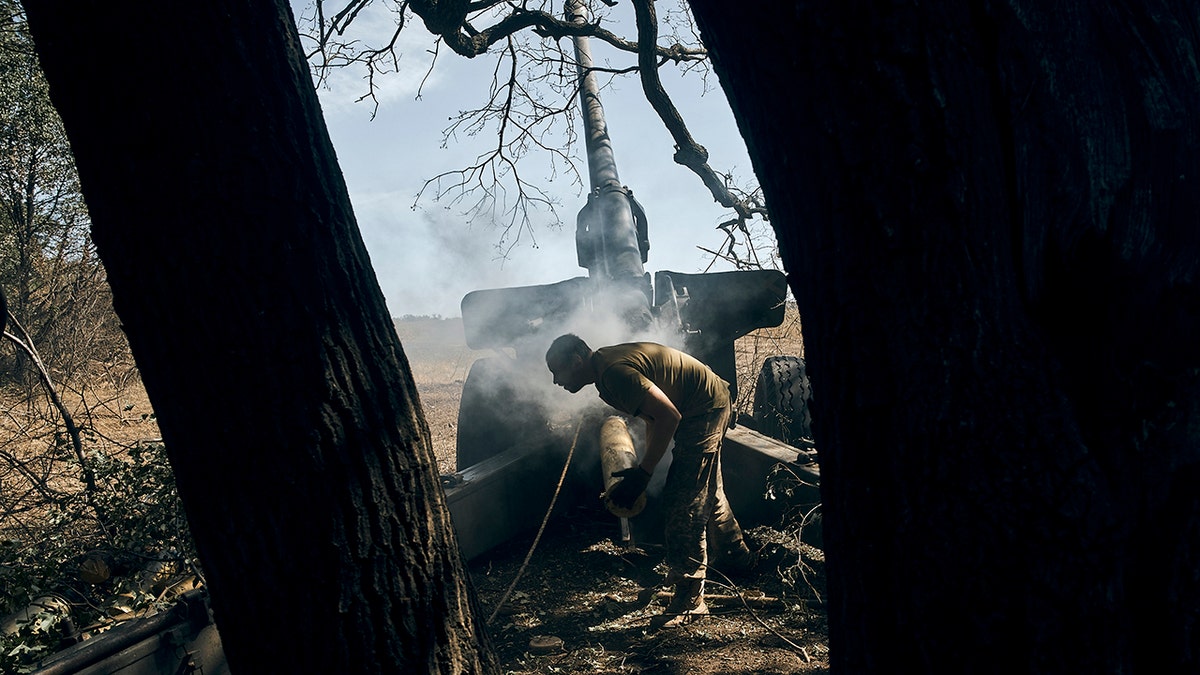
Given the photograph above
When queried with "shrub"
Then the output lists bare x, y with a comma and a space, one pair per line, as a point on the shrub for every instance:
77, 574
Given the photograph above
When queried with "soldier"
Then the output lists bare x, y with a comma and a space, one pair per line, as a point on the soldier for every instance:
681, 398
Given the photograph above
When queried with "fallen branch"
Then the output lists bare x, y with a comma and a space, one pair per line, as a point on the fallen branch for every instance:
25, 343
759, 601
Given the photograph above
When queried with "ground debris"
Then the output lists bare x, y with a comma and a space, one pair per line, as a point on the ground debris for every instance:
584, 590
545, 644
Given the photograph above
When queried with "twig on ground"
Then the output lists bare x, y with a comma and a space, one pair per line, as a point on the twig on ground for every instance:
753, 614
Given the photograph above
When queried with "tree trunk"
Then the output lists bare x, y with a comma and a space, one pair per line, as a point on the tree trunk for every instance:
989, 213
282, 391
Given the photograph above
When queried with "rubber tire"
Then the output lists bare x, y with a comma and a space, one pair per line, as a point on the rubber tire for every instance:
781, 398
489, 411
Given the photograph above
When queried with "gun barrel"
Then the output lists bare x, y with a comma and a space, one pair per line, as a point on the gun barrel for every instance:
602, 164
611, 232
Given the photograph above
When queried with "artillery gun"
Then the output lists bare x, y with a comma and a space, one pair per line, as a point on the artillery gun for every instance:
509, 423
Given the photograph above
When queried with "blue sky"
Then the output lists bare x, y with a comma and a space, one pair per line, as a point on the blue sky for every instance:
426, 258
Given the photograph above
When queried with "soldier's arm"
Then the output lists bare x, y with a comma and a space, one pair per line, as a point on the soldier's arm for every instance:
662, 419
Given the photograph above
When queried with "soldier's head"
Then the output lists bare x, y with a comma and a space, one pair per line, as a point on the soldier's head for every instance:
569, 359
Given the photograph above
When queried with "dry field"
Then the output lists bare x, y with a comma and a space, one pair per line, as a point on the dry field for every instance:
39, 461
439, 357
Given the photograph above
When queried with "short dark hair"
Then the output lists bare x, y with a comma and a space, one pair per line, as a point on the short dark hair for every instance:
565, 346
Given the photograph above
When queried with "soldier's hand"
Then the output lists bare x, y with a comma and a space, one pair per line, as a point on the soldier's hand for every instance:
631, 486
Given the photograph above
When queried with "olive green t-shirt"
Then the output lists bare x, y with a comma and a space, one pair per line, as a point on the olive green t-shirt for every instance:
625, 372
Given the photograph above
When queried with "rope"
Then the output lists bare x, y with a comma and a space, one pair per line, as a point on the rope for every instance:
541, 529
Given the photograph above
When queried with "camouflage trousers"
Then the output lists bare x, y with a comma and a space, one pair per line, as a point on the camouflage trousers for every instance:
698, 517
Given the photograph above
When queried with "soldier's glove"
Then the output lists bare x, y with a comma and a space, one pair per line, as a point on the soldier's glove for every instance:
633, 483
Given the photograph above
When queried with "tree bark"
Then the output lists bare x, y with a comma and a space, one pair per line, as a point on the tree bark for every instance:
988, 212
283, 394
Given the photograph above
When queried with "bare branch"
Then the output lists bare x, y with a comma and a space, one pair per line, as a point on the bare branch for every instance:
25, 345
518, 130
335, 54
436, 51
37, 483
483, 5
516, 112
688, 152
472, 43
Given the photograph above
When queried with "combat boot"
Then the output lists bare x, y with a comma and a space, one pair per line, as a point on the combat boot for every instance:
737, 562
686, 606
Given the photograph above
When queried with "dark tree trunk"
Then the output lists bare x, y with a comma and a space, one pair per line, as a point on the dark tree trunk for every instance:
989, 213
284, 397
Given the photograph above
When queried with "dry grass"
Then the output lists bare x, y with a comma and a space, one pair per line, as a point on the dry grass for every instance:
38, 463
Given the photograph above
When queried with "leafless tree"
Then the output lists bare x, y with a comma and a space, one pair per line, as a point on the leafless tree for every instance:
529, 106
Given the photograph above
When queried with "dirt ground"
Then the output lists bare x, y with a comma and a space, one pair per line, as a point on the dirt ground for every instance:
575, 606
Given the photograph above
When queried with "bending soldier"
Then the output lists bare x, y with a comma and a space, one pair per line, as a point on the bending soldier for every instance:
679, 398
